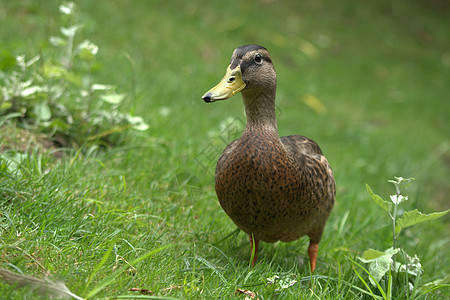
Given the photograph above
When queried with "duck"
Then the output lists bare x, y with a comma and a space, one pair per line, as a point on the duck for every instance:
273, 188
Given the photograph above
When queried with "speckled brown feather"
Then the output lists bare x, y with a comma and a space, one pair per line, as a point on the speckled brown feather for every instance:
274, 189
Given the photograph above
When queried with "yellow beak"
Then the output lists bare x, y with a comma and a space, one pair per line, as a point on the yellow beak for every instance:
230, 85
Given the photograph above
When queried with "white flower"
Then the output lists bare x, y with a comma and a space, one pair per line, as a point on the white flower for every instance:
69, 31
89, 47
397, 199
67, 8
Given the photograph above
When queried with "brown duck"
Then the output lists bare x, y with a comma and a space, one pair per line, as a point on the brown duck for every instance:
274, 189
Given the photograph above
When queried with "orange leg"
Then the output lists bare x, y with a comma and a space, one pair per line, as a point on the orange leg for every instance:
251, 248
313, 249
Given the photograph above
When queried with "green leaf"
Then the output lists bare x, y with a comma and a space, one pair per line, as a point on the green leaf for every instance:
387, 206
137, 123
9, 116
87, 50
53, 71
379, 262
414, 217
67, 8
57, 41
42, 111
74, 78
102, 87
412, 265
400, 180
113, 98
372, 280
30, 91
13, 160
69, 31
59, 124
32, 61
5, 106
370, 255
7, 60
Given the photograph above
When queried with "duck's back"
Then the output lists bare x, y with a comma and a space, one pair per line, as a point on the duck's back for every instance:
275, 188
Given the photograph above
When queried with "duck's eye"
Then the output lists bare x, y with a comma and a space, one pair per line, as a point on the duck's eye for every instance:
258, 58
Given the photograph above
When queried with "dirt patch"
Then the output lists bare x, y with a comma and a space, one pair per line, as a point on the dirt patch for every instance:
13, 138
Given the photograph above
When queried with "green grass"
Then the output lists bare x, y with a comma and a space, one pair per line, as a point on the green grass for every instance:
380, 69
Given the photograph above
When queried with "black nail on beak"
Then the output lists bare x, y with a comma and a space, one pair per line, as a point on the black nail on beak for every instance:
207, 98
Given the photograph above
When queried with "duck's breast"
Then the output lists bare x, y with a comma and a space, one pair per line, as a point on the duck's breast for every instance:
259, 186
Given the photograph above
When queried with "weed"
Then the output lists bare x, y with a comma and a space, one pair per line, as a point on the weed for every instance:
56, 93
383, 266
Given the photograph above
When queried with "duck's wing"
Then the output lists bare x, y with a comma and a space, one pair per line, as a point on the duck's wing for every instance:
308, 154
319, 181
298, 145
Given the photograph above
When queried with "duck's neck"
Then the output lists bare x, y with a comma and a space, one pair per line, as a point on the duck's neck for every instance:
260, 111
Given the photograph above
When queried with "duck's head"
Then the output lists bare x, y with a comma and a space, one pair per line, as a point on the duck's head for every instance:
250, 71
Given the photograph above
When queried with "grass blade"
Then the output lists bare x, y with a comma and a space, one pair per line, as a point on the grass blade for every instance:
102, 262
110, 278
383, 294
